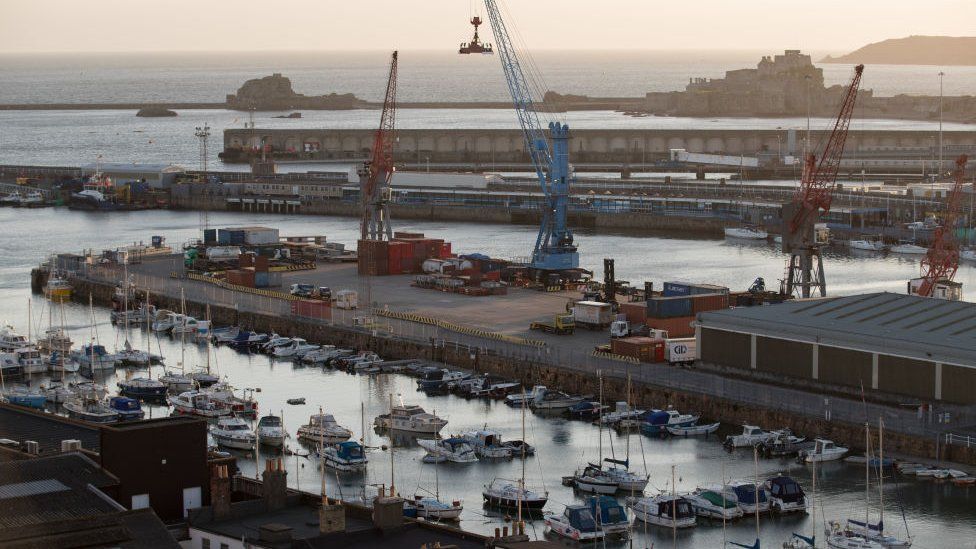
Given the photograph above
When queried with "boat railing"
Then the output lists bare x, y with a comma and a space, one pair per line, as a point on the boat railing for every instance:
952, 439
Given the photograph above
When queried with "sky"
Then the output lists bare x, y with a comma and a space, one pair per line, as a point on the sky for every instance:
254, 25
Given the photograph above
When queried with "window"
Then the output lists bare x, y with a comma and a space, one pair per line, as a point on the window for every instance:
140, 501
205, 543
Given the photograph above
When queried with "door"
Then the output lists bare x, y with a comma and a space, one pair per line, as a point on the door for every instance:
192, 499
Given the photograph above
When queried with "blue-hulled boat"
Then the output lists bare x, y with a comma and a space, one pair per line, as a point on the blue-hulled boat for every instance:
128, 408
25, 396
656, 422
586, 410
142, 387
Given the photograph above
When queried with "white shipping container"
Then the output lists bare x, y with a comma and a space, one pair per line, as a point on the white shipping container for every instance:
260, 236
223, 253
433, 266
593, 313
681, 350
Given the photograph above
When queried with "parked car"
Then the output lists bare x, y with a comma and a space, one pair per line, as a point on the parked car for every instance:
302, 290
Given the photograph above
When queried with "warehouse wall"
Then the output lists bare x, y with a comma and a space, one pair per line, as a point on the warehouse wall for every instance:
845, 367
958, 384
788, 358
726, 348
907, 377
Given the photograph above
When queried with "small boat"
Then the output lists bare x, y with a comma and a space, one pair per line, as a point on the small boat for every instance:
348, 456
611, 517
783, 443
749, 496
176, 383
55, 341
10, 366
517, 399
21, 395
874, 462
554, 400
197, 403
203, 378
57, 393
746, 233
875, 533
295, 401
320, 355
694, 430
487, 444
31, 361
839, 538
11, 340
668, 510
908, 248
576, 523
166, 321
90, 409
322, 428
519, 448
142, 387
627, 480
271, 432
825, 450
32, 199
586, 410
454, 450
750, 436
510, 494
10, 199
94, 357
185, 325
128, 408
411, 419
223, 394
715, 502
871, 245
232, 432
656, 422
432, 508
297, 347
267, 347
785, 494
621, 412
57, 288
594, 480
133, 357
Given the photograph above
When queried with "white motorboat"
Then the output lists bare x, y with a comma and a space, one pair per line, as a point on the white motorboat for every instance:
593, 480
223, 394
840, 538
576, 523
267, 347
487, 444
454, 450
694, 430
90, 409
554, 400
95, 358
30, 360
908, 248
58, 393
10, 199
348, 456
656, 422
197, 403
320, 355
715, 502
517, 399
750, 436
824, 450
271, 432
865, 244
412, 419
627, 480
11, 340
232, 432
785, 495
176, 383
185, 325
31, 200
511, 494
297, 347
323, 429
622, 412
432, 508
749, 496
670, 511
746, 233
166, 321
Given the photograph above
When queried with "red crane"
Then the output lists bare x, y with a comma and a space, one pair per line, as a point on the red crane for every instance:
375, 174
812, 199
942, 259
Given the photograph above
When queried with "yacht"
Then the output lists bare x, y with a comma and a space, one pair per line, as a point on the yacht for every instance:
222, 393
203, 378
511, 494
869, 244
55, 341
232, 432
10, 199
715, 502
594, 480
323, 429
657, 422
746, 233
10, 365
411, 419
31, 361
627, 481
670, 511
840, 538
176, 383
11, 340
197, 403
142, 387
554, 400
32, 199
57, 393
58, 363
750, 497
320, 355
90, 409
488, 444
128, 409
824, 450
909, 248
133, 357
185, 325
165, 320
455, 450
576, 523
786, 495
271, 432
94, 357
348, 456
517, 399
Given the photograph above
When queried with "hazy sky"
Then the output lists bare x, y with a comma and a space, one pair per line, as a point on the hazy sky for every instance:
187, 25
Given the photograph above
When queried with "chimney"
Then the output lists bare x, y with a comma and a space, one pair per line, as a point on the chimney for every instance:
388, 512
220, 492
275, 484
332, 517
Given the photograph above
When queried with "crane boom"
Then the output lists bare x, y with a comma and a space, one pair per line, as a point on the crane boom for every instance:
941, 261
375, 173
554, 248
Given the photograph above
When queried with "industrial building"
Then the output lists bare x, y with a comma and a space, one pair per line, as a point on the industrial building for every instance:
895, 344
153, 175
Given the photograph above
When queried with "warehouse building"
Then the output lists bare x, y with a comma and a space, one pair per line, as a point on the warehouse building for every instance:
892, 343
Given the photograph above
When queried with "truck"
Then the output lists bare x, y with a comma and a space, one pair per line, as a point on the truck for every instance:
681, 350
593, 315
224, 253
347, 299
560, 325
623, 328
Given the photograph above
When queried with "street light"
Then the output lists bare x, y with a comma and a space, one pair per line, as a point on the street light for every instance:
941, 75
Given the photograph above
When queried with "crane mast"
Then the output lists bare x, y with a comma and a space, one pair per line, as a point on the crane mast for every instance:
554, 247
812, 199
941, 261
375, 173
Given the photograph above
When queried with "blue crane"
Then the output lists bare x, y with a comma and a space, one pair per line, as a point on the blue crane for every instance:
554, 248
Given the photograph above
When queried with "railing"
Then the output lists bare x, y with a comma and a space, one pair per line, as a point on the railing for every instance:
952, 439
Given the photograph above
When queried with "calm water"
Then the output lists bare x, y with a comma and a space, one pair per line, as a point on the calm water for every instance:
938, 515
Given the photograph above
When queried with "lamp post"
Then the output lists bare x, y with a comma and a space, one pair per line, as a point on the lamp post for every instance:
941, 75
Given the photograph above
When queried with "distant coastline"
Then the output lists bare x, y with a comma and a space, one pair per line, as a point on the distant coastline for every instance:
914, 50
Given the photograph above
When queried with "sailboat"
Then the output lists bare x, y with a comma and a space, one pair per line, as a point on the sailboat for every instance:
514, 495
799, 541
593, 478
875, 532
177, 382
203, 378
845, 538
756, 488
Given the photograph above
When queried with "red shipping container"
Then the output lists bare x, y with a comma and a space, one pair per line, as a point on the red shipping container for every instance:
494, 276
701, 303
261, 263
245, 260
644, 349
400, 235
312, 308
636, 313
676, 327
241, 277
445, 250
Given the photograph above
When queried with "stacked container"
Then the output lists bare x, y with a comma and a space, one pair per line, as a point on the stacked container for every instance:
644, 349
373, 257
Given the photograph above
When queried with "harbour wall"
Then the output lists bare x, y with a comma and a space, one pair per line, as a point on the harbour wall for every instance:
529, 372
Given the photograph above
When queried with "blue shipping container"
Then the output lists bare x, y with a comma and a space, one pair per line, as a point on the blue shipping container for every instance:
669, 307
676, 288
209, 236
157, 241
261, 279
223, 237
686, 288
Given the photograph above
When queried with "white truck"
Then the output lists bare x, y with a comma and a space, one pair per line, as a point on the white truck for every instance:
346, 299
681, 350
593, 314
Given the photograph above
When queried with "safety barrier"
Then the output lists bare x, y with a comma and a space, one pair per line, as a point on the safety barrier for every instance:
611, 356
296, 267
223, 284
431, 321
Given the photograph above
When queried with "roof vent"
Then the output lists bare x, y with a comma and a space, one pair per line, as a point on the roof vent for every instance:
32, 447
70, 445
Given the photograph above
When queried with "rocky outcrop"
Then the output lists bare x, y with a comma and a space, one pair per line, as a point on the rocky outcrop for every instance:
155, 112
274, 93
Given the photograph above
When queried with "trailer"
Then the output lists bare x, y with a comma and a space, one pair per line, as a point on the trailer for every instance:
593, 315
681, 350
560, 325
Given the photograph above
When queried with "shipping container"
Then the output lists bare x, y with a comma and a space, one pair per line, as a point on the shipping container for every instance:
373, 257
701, 303
669, 307
635, 313
241, 277
688, 288
682, 350
676, 327
592, 314
446, 250
312, 308
399, 235
644, 349
261, 279
260, 236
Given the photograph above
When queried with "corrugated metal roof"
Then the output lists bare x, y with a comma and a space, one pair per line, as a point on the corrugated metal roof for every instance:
883, 322
31, 488
48, 430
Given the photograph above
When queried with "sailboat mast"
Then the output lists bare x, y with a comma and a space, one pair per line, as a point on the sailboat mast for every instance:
880, 474
674, 510
31, 370
755, 461
813, 503
521, 486
867, 474
392, 485
322, 452
600, 376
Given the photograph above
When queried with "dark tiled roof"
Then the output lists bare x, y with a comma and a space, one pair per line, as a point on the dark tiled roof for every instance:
48, 430
887, 323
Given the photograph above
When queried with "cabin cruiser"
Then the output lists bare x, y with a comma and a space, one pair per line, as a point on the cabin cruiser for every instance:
186, 325
554, 400
165, 321
142, 387
656, 422
751, 436
133, 357
271, 432
487, 444
576, 523
94, 357
232, 432
715, 502
197, 403
627, 481
586, 410
668, 510
594, 480
90, 409
11, 340
223, 393
518, 399
824, 450
176, 383
511, 494
32, 199
348, 456
908, 248
273, 343
432, 508
128, 409
869, 244
323, 429
746, 233
785, 494
297, 348
55, 341
320, 355
611, 517
30, 360
412, 419
454, 449
203, 378
749, 496
622, 412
